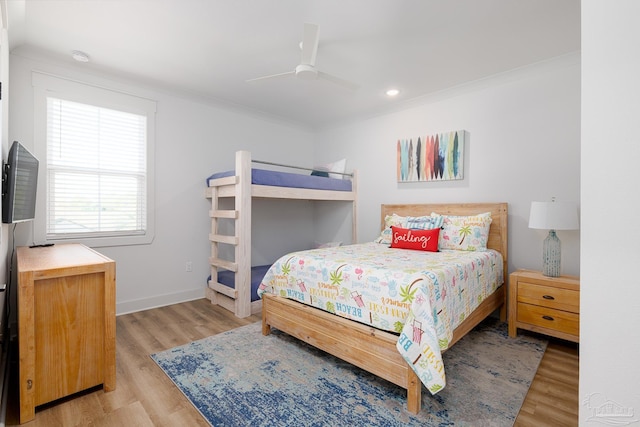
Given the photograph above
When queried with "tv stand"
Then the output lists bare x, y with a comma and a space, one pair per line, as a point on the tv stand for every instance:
66, 323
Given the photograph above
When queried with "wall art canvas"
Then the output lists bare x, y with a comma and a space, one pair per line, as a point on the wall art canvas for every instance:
436, 157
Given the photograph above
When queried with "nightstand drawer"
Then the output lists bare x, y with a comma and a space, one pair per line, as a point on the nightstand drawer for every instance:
557, 320
547, 296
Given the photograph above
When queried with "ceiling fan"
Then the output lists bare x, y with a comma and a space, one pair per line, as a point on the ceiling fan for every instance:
306, 70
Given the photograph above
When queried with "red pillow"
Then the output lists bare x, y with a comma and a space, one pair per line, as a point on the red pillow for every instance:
422, 240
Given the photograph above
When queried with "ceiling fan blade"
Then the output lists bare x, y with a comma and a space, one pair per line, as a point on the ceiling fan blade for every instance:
273, 76
338, 80
310, 44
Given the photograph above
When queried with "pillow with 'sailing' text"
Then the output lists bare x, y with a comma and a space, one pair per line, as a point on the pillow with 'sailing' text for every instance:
422, 240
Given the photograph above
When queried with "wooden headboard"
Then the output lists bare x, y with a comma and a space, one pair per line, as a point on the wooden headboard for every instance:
497, 232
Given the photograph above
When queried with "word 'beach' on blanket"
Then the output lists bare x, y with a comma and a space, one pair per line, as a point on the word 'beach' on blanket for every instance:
242, 378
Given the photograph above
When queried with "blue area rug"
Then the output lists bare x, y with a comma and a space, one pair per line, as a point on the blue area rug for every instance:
242, 378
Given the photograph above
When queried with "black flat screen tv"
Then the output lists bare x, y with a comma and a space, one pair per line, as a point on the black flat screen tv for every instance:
19, 183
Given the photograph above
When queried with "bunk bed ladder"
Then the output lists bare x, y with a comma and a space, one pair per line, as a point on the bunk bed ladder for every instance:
236, 300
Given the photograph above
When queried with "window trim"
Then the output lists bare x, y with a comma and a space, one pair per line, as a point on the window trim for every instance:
47, 85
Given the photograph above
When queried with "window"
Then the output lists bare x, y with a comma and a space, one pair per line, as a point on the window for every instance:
95, 145
96, 171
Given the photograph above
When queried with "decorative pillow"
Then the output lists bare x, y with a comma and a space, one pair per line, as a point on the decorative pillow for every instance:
422, 240
389, 220
324, 174
465, 233
413, 222
425, 222
339, 167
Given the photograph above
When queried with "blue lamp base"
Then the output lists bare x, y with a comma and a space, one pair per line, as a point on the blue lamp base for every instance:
551, 255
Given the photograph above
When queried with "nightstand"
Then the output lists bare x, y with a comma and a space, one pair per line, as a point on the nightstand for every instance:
548, 305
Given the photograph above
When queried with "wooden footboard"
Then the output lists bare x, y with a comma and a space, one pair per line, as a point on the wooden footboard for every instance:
366, 347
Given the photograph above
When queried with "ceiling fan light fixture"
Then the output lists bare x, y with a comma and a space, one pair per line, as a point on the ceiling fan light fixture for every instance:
79, 56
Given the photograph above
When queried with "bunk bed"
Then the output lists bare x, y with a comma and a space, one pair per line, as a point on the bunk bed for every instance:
350, 335
230, 283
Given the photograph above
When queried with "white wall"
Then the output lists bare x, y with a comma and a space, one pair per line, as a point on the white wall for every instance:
610, 285
193, 140
524, 145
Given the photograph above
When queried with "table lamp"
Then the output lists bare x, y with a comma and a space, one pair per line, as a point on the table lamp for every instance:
553, 216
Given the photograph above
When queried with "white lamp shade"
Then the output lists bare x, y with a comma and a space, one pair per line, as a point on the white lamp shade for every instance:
554, 216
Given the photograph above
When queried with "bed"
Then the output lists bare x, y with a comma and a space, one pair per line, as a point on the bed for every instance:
369, 347
243, 184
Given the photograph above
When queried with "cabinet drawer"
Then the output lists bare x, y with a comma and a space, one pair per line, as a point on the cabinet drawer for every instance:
548, 296
557, 320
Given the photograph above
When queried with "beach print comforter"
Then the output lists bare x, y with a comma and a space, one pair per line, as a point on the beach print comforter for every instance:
422, 296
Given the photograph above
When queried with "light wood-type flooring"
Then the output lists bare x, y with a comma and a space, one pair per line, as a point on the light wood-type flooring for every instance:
144, 396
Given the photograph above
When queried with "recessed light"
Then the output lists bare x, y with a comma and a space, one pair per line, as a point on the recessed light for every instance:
392, 92
79, 56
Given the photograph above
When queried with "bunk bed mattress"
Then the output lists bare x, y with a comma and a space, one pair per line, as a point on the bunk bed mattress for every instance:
422, 296
291, 180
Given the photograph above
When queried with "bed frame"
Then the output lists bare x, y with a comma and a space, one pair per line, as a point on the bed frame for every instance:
372, 349
240, 188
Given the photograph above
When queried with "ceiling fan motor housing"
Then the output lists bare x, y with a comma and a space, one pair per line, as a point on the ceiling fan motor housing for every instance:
306, 72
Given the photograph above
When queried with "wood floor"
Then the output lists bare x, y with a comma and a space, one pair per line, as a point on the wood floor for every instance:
144, 396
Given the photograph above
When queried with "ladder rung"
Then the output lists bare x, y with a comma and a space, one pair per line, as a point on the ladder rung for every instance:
231, 240
223, 214
227, 180
223, 289
227, 265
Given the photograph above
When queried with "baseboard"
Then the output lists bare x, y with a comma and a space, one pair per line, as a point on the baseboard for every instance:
133, 306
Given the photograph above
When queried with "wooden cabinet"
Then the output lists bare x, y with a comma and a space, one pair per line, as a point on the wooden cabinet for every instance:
548, 305
66, 323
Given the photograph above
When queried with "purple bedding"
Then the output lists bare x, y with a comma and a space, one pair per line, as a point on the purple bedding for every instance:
288, 179
227, 278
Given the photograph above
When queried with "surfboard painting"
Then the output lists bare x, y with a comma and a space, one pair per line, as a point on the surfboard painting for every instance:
438, 157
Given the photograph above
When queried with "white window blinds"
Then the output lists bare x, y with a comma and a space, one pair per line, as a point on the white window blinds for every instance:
96, 171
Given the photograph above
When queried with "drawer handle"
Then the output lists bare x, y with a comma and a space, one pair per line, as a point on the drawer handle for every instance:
548, 318
548, 297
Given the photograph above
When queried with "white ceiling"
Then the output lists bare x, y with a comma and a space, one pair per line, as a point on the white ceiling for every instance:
209, 48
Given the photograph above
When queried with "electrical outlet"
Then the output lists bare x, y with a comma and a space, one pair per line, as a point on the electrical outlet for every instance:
188, 267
